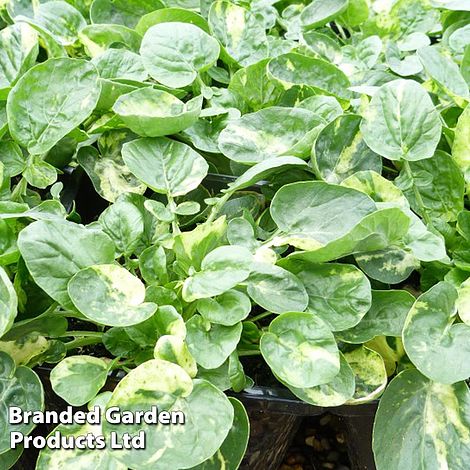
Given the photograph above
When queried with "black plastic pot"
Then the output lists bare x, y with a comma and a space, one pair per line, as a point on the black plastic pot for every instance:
277, 413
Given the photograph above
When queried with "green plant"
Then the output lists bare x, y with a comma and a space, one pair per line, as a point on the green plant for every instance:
339, 252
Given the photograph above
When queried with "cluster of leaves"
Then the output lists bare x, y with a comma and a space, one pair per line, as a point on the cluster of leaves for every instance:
336, 248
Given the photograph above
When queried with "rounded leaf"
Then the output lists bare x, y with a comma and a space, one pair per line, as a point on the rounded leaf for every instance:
19, 386
314, 213
432, 340
300, 349
211, 344
340, 150
334, 393
110, 295
221, 270
164, 165
422, 424
239, 31
296, 69
339, 294
270, 132
51, 100
78, 379
276, 289
319, 12
56, 250
208, 416
174, 53
8, 303
369, 372
153, 113
401, 122
226, 309
386, 316
233, 449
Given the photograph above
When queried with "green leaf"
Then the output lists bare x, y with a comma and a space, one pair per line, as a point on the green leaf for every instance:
386, 317
334, 393
109, 174
276, 289
10, 457
78, 379
222, 269
437, 417
208, 416
255, 87
174, 349
8, 303
339, 294
191, 247
266, 168
440, 184
123, 222
60, 20
314, 213
232, 450
377, 187
300, 349
326, 107
110, 295
409, 65
461, 144
164, 165
171, 15
369, 372
375, 231
18, 52
50, 100
340, 151
98, 37
270, 132
89, 458
54, 251
433, 340
20, 387
125, 12
444, 72
390, 266
120, 64
39, 173
152, 265
153, 113
320, 12
226, 309
211, 344
401, 122
242, 36
174, 53
322, 76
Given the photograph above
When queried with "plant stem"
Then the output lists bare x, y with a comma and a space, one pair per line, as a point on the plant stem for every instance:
80, 342
174, 225
260, 316
417, 194
69, 313
218, 205
20, 189
254, 352
341, 31
89, 334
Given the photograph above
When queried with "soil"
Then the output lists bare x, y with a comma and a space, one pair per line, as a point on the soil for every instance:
319, 444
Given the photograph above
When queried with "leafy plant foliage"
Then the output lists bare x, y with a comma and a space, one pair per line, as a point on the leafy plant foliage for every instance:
184, 184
